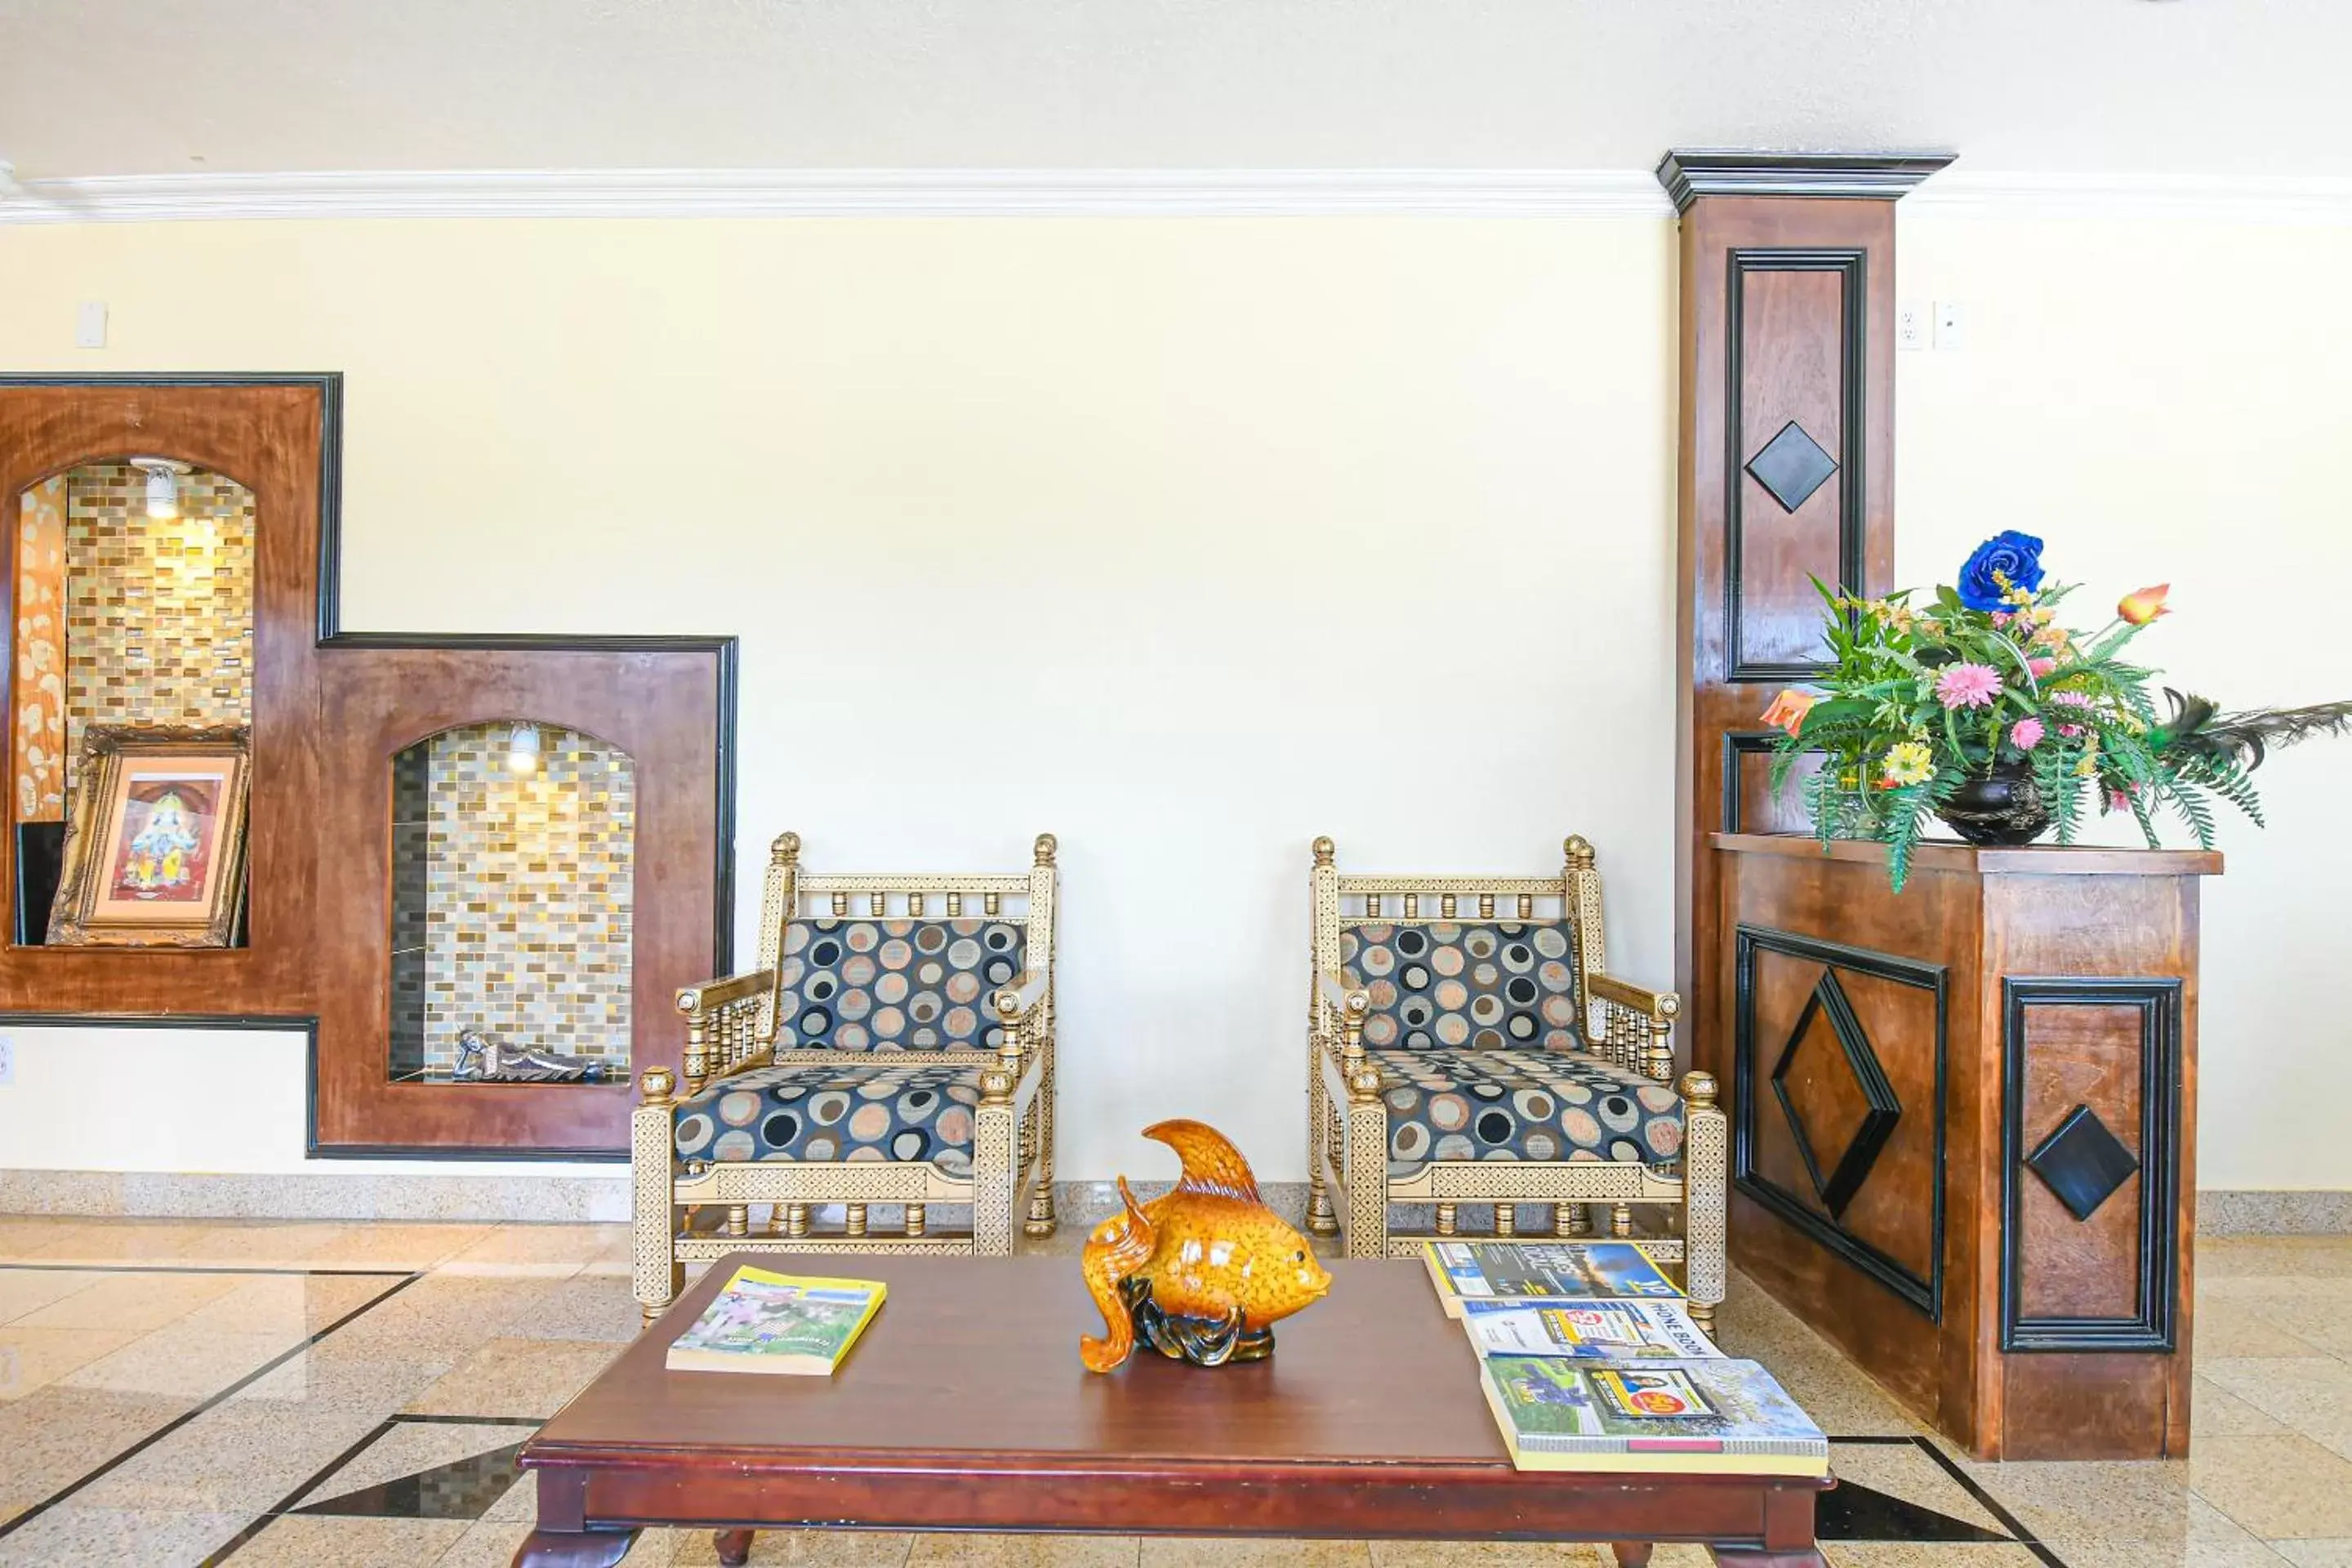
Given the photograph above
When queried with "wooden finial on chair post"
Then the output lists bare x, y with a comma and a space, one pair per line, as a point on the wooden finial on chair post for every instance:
1046, 845
786, 849
1579, 850
1698, 1090
1325, 850
655, 1085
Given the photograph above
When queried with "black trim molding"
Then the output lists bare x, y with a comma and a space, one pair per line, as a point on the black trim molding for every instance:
1923, 1293
2159, 1002
1852, 265
1689, 173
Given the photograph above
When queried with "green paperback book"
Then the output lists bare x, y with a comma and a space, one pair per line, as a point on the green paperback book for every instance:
1722, 1418
763, 1322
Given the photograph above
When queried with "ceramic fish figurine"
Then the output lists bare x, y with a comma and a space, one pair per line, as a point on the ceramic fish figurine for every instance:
1200, 1274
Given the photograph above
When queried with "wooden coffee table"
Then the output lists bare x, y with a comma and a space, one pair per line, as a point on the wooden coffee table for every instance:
964, 1408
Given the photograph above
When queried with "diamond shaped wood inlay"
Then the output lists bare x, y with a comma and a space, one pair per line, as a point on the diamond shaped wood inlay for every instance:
2083, 1162
1838, 1184
1791, 465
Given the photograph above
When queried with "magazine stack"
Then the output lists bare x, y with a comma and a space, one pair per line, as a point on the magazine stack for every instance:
1590, 1362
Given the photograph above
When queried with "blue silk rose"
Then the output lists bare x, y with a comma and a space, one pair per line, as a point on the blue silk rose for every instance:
2015, 556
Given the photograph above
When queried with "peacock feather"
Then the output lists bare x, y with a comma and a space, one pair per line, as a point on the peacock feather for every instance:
2197, 729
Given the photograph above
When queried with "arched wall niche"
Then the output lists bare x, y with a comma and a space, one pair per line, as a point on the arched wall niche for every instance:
129, 607
513, 884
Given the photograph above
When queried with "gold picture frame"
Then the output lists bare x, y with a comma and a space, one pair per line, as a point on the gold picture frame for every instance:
156, 838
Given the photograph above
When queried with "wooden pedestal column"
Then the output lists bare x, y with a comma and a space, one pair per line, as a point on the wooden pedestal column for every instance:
1786, 472
1962, 1144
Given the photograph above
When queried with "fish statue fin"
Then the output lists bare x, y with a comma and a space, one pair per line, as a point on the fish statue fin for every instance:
1212, 1164
1118, 1246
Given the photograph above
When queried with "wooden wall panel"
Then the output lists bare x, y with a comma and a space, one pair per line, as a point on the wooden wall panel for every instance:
326, 704
2066, 990
1787, 312
1838, 1092
662, 707
270, 438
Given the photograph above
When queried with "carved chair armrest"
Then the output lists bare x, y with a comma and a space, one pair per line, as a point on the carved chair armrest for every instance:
1348, 1001
708, 996
1641, 1039
721, 1017
1021, 997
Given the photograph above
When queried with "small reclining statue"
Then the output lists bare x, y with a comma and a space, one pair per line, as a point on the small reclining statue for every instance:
484, 1059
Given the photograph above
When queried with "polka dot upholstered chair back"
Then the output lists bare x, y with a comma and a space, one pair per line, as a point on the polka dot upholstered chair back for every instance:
1487, 986
894, 985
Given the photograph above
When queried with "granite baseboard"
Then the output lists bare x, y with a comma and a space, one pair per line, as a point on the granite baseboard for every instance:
144, 1194
135, 1195
2321, 1211
138, 1194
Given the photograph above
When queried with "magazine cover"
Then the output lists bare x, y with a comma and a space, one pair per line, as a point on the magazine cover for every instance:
1711, 1416
1561, 1271
1593, 1331
777, 1322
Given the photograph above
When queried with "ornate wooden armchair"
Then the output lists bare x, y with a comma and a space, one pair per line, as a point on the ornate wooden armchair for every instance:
1467, 1045
895, 1046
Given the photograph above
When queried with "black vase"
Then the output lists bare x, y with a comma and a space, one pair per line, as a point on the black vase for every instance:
2002, 806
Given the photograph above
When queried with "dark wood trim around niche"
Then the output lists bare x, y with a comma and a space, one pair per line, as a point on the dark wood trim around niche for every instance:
331, 708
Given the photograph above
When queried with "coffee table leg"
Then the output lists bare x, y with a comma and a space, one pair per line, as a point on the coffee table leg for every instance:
562, 1539
573, 1548
734, 1547
1632, 1553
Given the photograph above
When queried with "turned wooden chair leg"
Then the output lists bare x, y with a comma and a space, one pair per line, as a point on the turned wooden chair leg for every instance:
734, 1547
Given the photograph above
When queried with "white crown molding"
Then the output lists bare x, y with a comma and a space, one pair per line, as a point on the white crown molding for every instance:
1106, 193
2210, 198
845, 193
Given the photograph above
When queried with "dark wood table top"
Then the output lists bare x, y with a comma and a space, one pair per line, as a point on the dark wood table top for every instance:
979, 1356
964, 1408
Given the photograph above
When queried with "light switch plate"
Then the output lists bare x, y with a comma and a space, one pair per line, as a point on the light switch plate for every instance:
90, 324
1951, 325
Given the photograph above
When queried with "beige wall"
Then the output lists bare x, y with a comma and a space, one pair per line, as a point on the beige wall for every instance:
1190, 540
2172, 401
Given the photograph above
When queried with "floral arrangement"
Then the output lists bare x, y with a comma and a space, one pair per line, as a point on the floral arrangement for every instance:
1982, 709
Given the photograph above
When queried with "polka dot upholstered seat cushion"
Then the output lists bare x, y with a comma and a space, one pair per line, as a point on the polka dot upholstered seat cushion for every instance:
1444, 987
894, 985
851, 1110
1522, 1105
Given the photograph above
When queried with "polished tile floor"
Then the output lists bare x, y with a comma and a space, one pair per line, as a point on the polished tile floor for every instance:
183, 1392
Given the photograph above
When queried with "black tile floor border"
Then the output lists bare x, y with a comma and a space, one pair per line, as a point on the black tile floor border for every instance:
173, 1425
2020, 1535
288, 1504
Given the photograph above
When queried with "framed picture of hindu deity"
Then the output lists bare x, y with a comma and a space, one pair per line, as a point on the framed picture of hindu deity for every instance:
154, 851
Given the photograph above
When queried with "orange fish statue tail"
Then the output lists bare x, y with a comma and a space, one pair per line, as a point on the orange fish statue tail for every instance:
1200, 1274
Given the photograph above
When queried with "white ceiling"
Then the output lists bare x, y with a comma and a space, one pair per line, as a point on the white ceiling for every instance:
143, 87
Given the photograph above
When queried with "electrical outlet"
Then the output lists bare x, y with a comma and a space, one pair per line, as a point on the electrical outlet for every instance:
1910, 327
1951, 325
7, 1060
90, 324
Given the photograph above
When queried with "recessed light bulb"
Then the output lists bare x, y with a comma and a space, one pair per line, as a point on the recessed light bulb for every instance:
522, 750
163, 487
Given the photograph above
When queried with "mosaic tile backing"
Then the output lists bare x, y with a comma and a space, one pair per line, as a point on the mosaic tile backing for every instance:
524, 918
158, 613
